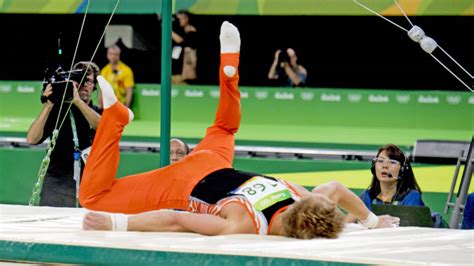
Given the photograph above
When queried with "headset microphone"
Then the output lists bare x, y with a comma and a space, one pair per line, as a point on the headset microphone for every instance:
391, 176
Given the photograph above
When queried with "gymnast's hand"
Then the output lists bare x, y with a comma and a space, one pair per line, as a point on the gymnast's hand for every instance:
387, 221
97, 221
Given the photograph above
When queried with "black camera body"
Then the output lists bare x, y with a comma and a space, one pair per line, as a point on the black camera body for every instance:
61, 82
283, 56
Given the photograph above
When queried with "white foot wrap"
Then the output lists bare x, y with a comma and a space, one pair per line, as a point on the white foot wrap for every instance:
108, 94
119, 222
230, 38
371, 221
230, 71
130, 115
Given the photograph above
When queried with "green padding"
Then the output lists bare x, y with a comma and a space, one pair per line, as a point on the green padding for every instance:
52, 253
335, 116
242, 7
19, 168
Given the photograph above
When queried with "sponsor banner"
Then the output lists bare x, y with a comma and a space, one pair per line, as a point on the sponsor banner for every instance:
25, 89
149, 92
5, 88
403, 98
284, 95
306, 107
261, 95
428, 99
354, 97
330, 97
471, 100
454, 100
378, 98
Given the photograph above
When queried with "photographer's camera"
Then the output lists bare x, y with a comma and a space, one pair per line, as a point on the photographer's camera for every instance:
62, 83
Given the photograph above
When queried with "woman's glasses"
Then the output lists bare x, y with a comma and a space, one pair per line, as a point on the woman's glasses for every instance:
391, 162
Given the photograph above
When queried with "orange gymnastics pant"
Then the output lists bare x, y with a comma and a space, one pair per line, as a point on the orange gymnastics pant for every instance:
170, 186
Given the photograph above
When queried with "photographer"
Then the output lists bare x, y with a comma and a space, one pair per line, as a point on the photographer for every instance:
286, 69
59, 187
184, 53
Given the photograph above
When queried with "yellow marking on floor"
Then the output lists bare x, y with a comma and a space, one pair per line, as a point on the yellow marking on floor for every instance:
409, 6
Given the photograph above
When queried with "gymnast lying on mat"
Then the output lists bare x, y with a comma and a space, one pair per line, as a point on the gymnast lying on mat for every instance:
215, 199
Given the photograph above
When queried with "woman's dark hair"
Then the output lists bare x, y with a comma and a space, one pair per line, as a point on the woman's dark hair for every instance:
407, 181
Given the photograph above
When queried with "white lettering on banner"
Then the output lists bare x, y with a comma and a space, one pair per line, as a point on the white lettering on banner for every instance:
5, 125
284, 95
150, 92
471, 100
261, 95
194, 93
244, 95
354, 98
330, 97
453, 99
403, 98
5, 88
378, 98
307, 96
174, 92
428, 99
25, 89
215, 94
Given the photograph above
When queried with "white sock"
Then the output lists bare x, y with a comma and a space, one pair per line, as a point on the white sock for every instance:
130, 115
108, 94
230, 38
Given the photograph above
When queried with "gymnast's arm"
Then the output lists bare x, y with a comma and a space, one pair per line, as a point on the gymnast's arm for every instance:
349, 201
167, 221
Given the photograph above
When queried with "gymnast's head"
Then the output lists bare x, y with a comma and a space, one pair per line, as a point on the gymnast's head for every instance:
178, 150
313, 217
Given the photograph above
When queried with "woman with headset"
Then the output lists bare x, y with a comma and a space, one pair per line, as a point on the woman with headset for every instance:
393, 181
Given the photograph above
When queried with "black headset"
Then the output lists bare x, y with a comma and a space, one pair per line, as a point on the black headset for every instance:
405, 166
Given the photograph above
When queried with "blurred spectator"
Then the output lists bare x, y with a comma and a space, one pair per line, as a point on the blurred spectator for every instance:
184, 53
119, 75
285, 68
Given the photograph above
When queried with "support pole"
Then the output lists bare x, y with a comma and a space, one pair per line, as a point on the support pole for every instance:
165, 83
463, 190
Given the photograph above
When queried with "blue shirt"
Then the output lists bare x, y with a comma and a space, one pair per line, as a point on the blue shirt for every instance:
413, 198
468, 220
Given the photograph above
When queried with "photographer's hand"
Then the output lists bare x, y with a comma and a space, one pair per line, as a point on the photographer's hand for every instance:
47, 92
277, 55
272, 74
76, 99
91, 116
